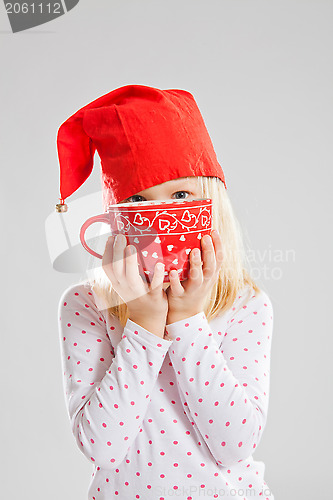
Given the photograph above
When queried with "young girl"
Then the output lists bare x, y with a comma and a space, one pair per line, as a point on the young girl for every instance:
167, 384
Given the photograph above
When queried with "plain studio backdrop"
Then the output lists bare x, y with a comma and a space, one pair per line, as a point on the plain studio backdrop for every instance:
261, 72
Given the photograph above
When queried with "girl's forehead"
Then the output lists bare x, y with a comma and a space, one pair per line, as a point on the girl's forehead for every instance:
183, 180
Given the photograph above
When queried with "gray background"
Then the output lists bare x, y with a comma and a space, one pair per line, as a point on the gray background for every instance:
261, 72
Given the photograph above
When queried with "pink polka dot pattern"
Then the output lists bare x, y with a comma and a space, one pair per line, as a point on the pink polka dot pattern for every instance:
157, 415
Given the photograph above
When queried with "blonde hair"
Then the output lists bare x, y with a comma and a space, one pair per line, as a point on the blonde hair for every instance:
232, 277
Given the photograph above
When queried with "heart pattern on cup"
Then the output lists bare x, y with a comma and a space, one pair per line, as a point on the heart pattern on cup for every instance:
138, 219
163, 224
186, 216
204, 219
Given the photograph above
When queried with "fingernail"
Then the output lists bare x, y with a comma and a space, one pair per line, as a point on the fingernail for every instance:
118, 238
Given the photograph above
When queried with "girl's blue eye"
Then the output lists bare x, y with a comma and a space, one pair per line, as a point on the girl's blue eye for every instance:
136, 197
133, 198
181, 192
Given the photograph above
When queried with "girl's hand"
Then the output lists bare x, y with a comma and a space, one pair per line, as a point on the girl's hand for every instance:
147, 304
187, 299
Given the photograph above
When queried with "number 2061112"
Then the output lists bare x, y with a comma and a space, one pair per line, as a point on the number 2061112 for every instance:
33, 8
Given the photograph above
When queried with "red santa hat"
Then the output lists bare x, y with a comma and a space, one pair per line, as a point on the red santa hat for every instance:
144, 137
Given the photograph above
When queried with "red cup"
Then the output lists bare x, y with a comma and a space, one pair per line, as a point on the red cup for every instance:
161, 231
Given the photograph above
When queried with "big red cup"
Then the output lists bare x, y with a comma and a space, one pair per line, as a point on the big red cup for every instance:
161, 231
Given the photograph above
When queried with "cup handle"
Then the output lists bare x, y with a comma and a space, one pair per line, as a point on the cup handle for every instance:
97, 218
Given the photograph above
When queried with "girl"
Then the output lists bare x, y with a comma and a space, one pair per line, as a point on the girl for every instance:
166, 384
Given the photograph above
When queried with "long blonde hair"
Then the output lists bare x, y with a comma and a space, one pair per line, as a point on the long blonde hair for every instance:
232, 277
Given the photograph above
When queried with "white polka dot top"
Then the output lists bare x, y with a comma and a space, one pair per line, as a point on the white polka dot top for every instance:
161, 419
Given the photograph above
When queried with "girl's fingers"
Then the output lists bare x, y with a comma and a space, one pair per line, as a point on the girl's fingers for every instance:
217, 242
209, 259
108, 259
176, 287
108, 252
132, 274
118, 265
195, 274
158, 276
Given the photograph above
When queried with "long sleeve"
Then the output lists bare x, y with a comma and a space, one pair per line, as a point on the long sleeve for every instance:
107, 390
224, 385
